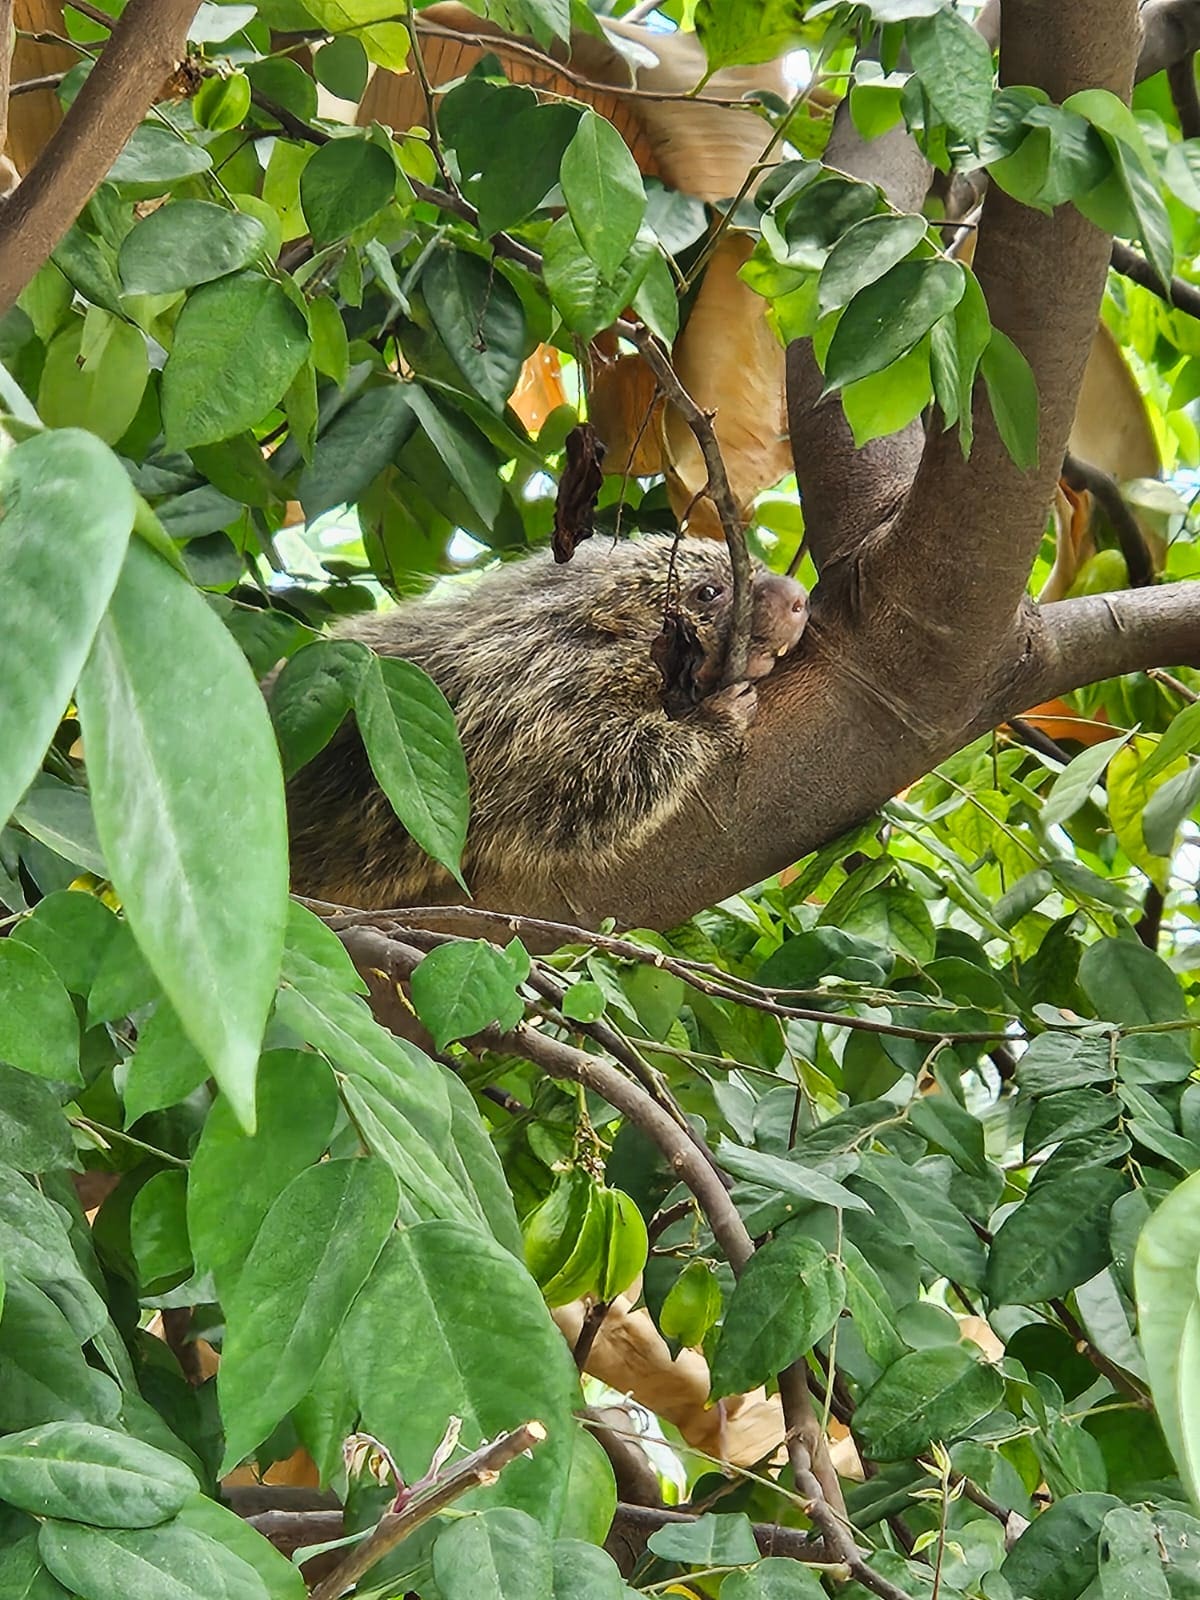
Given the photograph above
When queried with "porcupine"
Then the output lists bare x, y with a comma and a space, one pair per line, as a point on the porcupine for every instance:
581, 735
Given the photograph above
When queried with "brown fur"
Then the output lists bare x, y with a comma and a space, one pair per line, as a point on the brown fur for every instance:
560, 708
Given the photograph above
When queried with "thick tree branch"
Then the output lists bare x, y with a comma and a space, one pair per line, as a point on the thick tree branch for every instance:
1104, 635
1065, 48
1083, 475
848, 492
1170, 31
143, 51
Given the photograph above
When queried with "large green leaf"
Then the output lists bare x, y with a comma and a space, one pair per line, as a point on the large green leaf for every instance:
481, 320
38, 1029
603, 190
489, 1354
180, 765
886, 318
502, 1553
60, 491
412, 743
789, 1296
186, 243
84, 1473
928, 1396
314, 1250
1055, 1239
954, 64
1164, 1271
34, 1134
359, 443
170, 1562
239, 342
296, 1104
346, 183
462, 987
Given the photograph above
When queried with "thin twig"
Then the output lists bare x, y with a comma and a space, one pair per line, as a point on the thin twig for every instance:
505, 44
49, 80
718, 490
479, 1469
342, 919
1170, 681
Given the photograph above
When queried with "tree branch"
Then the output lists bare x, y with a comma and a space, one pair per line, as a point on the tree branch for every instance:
1170, 31
1126, 260
480, 1468
1103, 635
144, 49
972, 596
1082, 475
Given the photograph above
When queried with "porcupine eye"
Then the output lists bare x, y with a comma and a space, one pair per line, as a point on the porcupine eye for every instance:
708, 592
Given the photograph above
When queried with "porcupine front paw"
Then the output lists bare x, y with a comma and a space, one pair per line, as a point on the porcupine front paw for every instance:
735, 705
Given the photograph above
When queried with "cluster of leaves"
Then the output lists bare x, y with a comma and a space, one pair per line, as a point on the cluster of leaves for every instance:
944, 1075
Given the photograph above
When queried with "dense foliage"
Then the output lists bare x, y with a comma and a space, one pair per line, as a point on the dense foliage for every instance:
948, 1064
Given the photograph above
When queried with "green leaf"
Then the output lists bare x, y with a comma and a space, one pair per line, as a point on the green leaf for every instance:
716, 1539
466, 454
38, 1029
1055, 1558
462, 987
776, 1578
954, 63
341, 66
412, 743
1131, 1557
156, 159
502, 1552
922, 1214
158, 1235
1168, 809
34, 1135
932, 1395
186, 243
870, 1307
1070, 1114
46, 1377
584, 1572
1056, 1239
888, 317
788, 1297
297, 1105
745, 32
1012, 395
1164, 1273
1136, 170
330, 344
1074, 784
1130, 793
603, 190
1129, 984
201, 1515
364, 438
786, 1177
1182, 736
84, 1473
950, 1129
168, 799
166, 1066
94, 376
589, 300
311, 696
345, 184
314, 1251
58, 489
485, 1338
238, 344
170, 1562
862, 255
480, 319
1056, 1061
